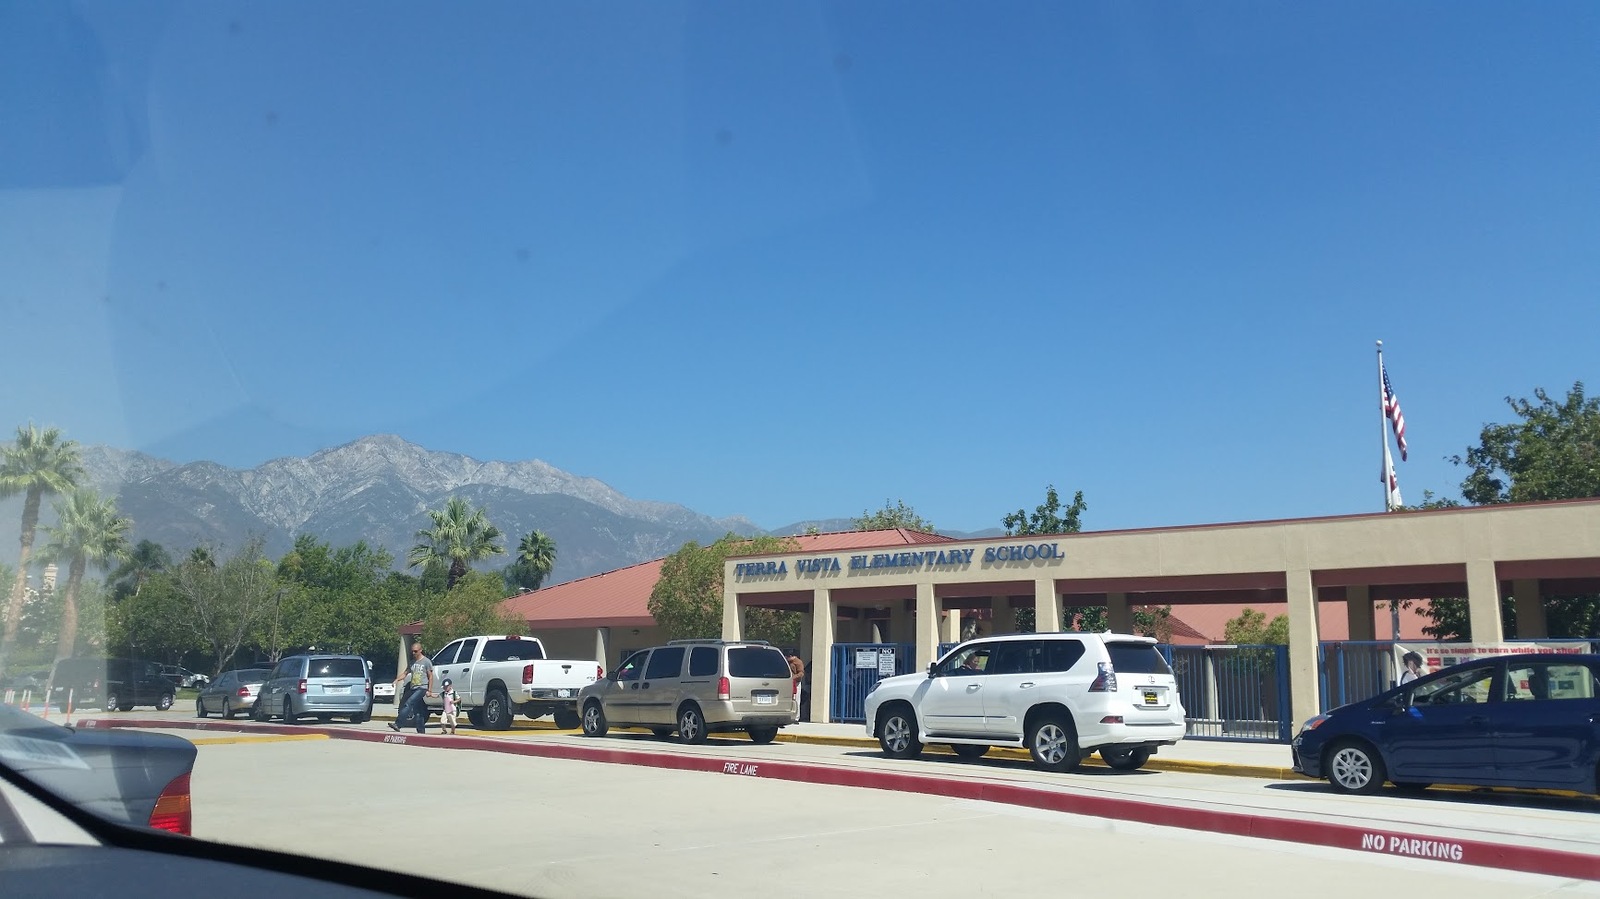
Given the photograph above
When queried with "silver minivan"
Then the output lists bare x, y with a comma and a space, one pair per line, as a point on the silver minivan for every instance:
322, 685
695, 688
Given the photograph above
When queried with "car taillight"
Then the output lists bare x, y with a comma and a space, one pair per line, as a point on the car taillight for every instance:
302, 687
1105, 681
599, 672
244, 691
722, 689
172, 811
369, 688
527, 673
1111, 719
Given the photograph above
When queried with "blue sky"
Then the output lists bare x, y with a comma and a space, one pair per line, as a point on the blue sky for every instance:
790, 260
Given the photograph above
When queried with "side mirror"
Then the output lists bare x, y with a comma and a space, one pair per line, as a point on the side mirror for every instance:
931, 667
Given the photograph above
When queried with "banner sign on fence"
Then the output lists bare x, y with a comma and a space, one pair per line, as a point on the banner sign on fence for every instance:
866, 658
1443, 655
886, 662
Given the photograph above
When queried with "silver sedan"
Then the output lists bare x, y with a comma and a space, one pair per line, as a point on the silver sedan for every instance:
232, 693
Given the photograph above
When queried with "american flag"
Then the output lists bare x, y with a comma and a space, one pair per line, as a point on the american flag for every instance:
1391, 408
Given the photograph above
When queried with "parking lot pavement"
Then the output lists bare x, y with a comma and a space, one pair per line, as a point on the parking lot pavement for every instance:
616, 830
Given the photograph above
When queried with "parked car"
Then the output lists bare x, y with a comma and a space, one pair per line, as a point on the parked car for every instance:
231, 693
696, 688
1514, 721
183, 677
323, 685
121, 775
1064, 696
382, 691
121, 684
498, 676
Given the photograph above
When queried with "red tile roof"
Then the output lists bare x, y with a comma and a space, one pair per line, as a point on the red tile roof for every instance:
620, 598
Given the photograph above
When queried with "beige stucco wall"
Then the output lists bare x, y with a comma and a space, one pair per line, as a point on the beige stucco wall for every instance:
1292, 552
604, 645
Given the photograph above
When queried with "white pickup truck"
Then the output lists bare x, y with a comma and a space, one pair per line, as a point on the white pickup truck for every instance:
498, 676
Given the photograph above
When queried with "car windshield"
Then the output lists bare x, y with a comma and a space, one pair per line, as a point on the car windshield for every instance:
588, 355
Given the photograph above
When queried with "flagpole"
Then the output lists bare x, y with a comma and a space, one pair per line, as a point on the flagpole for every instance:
1383, 433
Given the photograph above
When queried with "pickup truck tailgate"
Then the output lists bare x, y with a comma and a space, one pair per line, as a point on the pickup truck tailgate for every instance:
561, 678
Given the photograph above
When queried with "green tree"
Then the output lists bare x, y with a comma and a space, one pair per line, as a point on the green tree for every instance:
88, 531
36, 464
1251, 626
147, 558
898, 515
336, 599
1552, 453
228, 603
472, 606
155, 623
460, 536
687, 599
1048, 517
535, 559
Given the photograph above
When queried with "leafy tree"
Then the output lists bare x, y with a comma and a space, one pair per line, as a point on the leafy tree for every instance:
1552, 453
155, 623
38, 463
1252, 626
145, 559
228, 603
687, 598
535, 559
1048, 517
88, 531
472, 606
336, 598
898, 515
460, 536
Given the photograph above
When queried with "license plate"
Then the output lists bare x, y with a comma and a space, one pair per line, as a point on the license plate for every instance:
766, 698
1151, 697
336, 689
564, 694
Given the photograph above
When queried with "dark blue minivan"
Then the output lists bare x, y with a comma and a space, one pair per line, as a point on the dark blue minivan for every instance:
1514, 721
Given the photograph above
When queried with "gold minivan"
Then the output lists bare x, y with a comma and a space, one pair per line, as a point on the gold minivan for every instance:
695, 688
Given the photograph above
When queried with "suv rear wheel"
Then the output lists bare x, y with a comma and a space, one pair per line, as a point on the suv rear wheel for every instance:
1053, 743
1124, 759
897, 733
762, 734
164, 702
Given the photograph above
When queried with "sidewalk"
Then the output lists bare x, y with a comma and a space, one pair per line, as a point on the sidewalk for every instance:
1223, 757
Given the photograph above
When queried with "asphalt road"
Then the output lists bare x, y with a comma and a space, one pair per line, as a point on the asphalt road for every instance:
554, 827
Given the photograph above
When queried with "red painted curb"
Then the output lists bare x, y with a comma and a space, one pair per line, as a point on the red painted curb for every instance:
1529, 859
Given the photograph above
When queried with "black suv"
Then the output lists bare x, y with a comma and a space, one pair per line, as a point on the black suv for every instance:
119, 684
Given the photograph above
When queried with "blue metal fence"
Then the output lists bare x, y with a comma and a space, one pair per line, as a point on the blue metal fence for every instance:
856, 668
1353, 670
1234, 692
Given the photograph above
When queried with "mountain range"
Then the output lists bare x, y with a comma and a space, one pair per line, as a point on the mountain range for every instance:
379, 489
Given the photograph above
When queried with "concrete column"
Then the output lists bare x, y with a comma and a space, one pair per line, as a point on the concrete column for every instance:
1046, 606
1005, 617
1531, 622
405, 656
1305, 697
1119, 613
1483, 602
927, 626
1358, 612
602, 647
732, 615
900, 623
950, 626
822, 622
804, 640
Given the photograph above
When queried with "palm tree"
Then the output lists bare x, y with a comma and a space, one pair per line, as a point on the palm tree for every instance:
88, 531
460, 536
536, 557
147, 558
39, 462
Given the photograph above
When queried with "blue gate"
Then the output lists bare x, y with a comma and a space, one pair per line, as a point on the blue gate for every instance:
1354, 670
856, 668
1235, 692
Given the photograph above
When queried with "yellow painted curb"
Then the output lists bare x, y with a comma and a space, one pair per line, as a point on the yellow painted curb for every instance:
256, 738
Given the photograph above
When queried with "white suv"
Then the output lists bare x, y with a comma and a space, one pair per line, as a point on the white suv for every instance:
1064, 696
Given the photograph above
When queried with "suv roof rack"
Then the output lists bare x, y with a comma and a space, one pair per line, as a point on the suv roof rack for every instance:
711, 640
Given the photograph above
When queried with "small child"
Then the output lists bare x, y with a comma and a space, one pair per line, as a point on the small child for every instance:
452, 701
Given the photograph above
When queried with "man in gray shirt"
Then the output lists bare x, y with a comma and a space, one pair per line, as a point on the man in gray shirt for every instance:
419, 686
